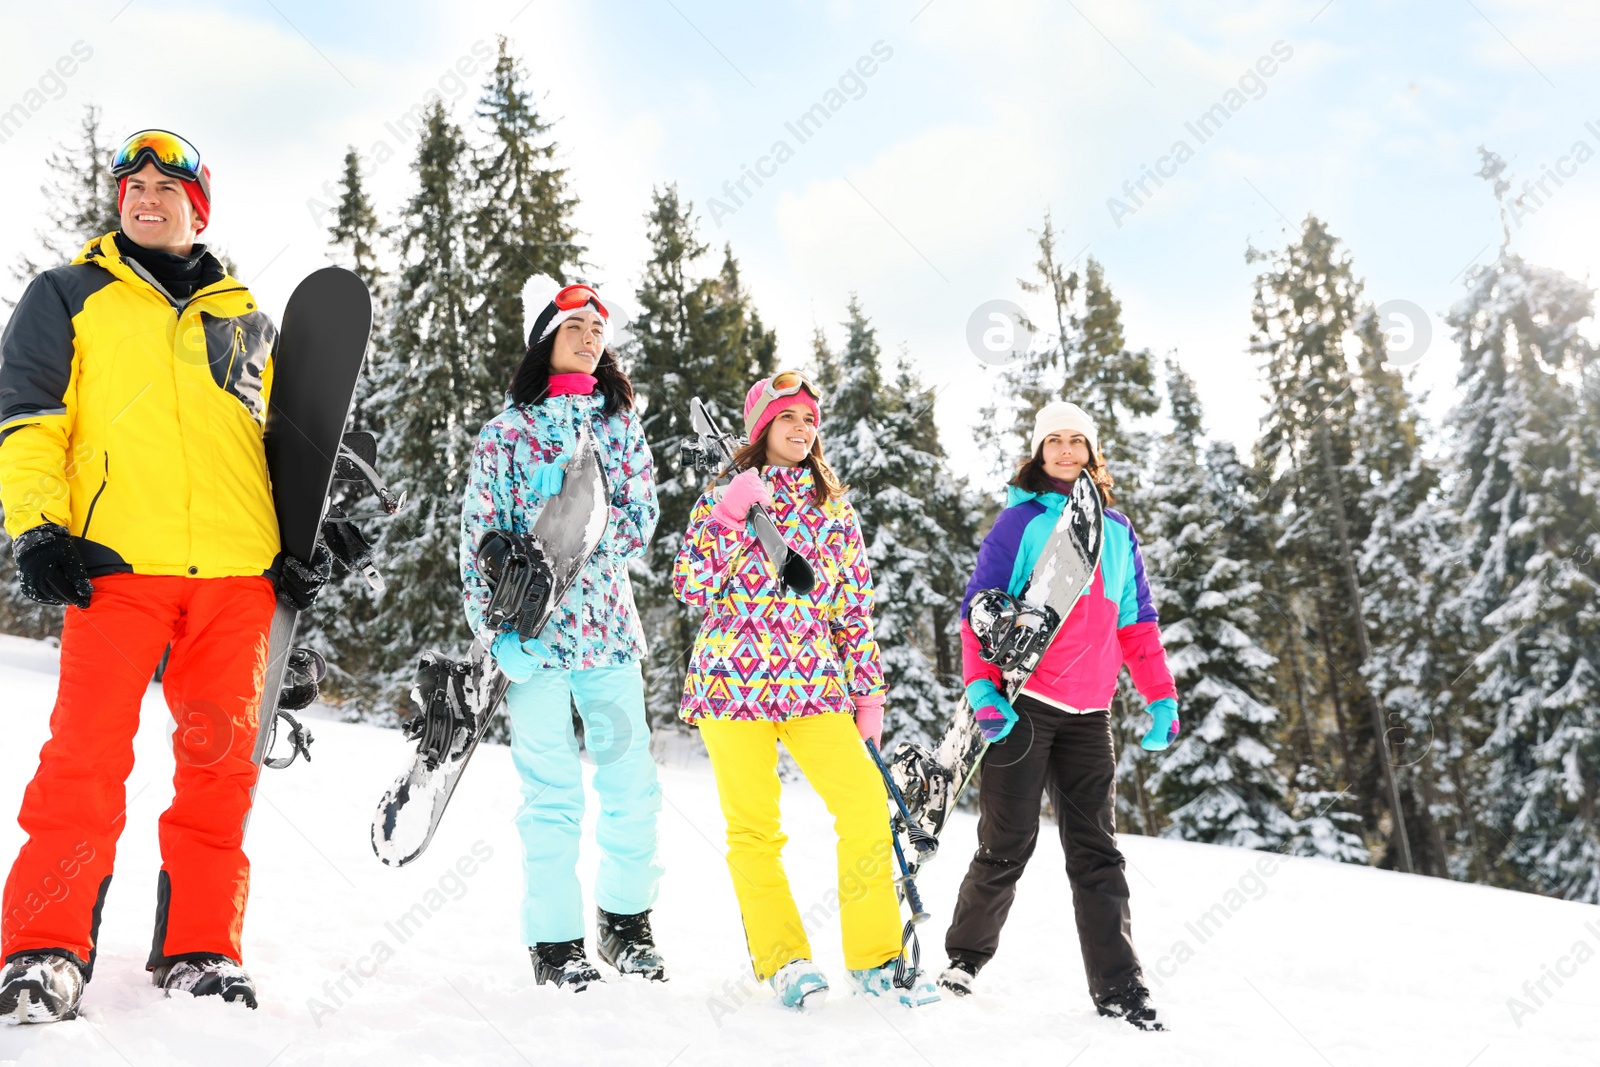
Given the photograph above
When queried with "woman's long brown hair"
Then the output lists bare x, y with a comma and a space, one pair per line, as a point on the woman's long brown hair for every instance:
825, 483
530, 384
1031, 476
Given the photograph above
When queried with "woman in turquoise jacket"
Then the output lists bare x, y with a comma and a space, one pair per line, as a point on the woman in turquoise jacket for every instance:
589, 653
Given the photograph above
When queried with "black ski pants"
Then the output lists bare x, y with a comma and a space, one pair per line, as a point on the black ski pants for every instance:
1072, 756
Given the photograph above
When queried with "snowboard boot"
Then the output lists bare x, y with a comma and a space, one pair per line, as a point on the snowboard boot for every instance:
564, 963
880, 982
1132, 1005
207, 976
799, 985
625, 942
958, 977
40, 987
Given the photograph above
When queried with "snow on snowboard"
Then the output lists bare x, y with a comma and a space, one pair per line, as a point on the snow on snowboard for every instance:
457, 700
932, 783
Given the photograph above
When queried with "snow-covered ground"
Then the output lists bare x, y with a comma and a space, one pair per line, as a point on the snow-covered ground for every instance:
1253, 960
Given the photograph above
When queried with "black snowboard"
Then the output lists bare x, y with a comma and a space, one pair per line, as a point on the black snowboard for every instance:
316, 362
457, 700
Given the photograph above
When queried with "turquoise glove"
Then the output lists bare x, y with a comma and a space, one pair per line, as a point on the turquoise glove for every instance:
993, 711
548, 478
1164, 730
517, 659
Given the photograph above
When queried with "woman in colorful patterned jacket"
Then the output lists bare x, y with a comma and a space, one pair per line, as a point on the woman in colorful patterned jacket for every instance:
773, 665
1060, 726
588, 654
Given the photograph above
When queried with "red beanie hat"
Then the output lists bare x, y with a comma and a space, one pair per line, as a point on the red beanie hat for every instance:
199, 194
803, 397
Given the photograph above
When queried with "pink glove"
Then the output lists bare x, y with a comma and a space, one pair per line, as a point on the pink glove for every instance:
746, 488
869, 717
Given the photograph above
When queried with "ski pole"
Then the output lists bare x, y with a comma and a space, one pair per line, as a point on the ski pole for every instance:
919, 914
925, 845
905, 972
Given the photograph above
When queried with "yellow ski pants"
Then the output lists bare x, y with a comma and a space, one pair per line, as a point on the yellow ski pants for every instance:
744, 759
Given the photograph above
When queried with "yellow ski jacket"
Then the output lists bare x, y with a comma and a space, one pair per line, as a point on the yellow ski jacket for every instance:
135, 420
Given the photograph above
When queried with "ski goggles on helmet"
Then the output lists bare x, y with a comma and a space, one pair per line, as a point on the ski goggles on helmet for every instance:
779, 386
172, 155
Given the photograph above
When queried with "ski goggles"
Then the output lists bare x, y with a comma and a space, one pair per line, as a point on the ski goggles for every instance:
573, 297
568, 301
172, 155
779, 386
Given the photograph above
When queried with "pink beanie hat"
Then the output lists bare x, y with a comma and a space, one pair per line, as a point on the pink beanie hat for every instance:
754, 429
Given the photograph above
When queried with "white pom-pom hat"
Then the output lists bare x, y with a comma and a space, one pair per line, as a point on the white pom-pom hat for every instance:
546, 304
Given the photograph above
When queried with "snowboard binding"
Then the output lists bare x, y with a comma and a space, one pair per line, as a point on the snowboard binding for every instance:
925, 786
354, 468
443, 722
521, 578
302, 680
1012, 634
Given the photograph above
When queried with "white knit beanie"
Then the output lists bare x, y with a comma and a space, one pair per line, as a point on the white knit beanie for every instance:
1063, 417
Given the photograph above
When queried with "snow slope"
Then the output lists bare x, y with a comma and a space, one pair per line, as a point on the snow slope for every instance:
1253, 960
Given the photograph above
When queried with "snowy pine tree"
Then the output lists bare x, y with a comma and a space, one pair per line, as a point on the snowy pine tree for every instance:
1220, 782
882, 442
354, 229
425, 384
1308, 303
520, 225
339, 624
693, 338
1081, 355
80, 199
1408, 567
1522, 473
448, 339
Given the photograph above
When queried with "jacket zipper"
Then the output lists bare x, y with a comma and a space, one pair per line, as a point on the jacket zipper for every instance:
96, 501
238, 347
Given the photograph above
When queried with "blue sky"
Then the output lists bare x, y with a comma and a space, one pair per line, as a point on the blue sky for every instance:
920, 191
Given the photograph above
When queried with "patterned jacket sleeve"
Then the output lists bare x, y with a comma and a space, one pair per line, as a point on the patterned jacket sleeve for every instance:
850, 615
1139, 633
634, 510
708, 551
486, 507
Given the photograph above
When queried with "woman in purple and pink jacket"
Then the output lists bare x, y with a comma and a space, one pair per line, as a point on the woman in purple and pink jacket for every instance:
1060, 726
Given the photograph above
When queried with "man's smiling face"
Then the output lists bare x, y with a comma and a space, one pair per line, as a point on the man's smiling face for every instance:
156, 212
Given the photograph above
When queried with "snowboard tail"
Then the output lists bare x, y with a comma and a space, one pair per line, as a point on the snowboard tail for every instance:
456, 702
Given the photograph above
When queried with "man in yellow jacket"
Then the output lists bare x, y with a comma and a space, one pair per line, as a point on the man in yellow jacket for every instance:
133, 395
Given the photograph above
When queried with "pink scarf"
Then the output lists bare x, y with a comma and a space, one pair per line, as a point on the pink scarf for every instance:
565, 384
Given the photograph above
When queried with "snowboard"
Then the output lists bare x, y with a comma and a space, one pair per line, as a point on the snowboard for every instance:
930, 784
316, 362
456, 700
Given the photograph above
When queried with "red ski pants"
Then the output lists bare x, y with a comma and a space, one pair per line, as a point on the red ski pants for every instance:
74, 808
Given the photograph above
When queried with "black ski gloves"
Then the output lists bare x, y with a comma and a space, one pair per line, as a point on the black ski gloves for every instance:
300, 582
49, 567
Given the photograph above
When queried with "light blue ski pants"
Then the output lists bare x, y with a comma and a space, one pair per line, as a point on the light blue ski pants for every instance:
544, 747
